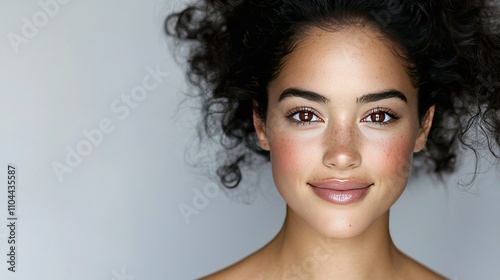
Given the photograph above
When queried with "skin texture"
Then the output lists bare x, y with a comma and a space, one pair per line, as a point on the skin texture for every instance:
344, 137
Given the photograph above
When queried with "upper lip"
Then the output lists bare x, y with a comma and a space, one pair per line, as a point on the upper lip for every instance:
340, 184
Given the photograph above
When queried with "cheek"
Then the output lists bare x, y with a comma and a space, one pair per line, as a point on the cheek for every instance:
391, 159
286, 155
292, 154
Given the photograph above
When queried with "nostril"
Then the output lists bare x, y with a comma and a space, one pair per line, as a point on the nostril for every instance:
342, 158
341, 146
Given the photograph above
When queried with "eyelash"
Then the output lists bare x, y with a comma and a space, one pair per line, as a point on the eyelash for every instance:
392, 115
296, 111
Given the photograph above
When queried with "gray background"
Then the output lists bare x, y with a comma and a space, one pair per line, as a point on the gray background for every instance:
116, 214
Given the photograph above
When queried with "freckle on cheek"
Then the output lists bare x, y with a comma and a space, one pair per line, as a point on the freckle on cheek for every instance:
397, 158
287, 157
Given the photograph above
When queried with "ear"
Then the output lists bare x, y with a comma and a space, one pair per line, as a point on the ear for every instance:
425, 127
260, 129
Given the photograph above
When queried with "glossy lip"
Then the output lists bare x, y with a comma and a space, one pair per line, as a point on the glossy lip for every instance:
340, 191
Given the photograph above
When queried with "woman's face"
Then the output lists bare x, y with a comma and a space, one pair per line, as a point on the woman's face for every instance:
341, 127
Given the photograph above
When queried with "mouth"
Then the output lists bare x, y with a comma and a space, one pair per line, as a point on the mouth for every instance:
340, 191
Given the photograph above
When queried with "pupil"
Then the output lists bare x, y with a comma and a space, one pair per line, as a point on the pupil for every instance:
305, 116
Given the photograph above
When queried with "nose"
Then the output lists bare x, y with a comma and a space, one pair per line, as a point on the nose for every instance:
342, 148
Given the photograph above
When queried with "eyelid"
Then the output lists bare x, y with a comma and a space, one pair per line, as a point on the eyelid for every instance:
393, 115
289, 115
302, 109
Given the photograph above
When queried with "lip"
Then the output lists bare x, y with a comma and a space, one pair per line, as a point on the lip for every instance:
341, 191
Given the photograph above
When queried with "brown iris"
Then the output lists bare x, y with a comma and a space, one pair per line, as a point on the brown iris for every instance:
377, 117
306, 116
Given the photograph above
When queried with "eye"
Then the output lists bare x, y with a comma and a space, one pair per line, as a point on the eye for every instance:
303, 116
380, 116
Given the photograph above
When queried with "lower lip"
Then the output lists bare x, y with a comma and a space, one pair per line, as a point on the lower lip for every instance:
341, 197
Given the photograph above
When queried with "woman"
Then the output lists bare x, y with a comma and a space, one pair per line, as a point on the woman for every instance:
340, 96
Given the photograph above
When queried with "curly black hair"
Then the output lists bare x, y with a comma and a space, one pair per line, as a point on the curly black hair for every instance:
451, 50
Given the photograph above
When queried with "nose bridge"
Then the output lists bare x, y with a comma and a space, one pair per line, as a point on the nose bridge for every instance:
342, 146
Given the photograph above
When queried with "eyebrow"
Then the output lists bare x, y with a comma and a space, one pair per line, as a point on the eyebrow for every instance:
309, 95
367, 98
372, 97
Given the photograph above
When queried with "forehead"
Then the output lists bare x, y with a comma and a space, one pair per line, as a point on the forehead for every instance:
353, 59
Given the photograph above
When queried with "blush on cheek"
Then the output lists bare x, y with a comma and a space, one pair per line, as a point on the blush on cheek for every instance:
293, 155
395, 160
285, 157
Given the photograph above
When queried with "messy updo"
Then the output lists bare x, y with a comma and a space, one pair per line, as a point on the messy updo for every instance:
451, 50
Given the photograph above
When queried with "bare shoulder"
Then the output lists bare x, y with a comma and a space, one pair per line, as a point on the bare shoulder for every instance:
233, 272
248, 268
237, 271
417, 271
226, 273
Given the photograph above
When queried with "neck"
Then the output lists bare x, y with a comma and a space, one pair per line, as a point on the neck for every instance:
303, 253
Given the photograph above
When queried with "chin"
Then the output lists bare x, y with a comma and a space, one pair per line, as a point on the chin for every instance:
343, 227
344, 223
